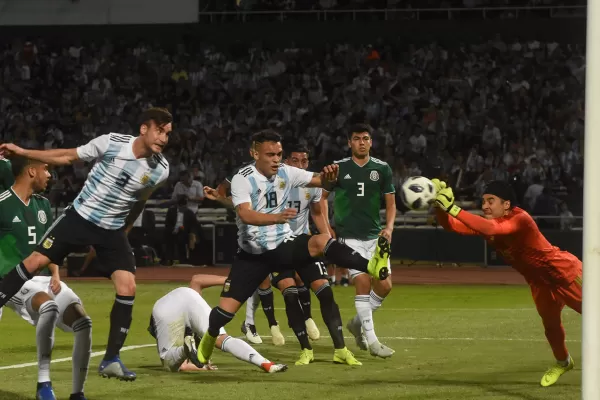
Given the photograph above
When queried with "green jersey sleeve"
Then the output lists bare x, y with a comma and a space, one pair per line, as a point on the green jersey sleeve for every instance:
388, 180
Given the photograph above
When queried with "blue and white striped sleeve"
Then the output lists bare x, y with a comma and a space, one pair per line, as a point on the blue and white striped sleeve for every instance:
94, 148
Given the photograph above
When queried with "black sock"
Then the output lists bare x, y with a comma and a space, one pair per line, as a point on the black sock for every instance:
295, 316
342, 255
120, 321
331, 315
12, 283
218, 318
304, 295
266, 299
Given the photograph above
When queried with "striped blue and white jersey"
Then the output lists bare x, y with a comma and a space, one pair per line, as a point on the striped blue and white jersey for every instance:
117, 181
267, 196
301, 199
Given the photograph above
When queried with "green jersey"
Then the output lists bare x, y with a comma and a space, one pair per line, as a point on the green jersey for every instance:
358, 195
6, 176
21, 227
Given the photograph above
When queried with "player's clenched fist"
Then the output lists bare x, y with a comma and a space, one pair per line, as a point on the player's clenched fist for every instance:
10, 149
330, 172
286, 215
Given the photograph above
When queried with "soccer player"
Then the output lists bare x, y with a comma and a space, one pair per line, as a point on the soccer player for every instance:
185, 307
553, 275
264, 293
362, 184
260, 193
126, 172
308, 201
44, 301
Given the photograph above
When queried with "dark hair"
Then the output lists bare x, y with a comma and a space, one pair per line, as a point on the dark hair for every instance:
267, 135
295, 148
160, 116
20, 164
359, 128
503, 190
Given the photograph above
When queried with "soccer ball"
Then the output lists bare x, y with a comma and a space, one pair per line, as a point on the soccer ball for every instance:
417, 193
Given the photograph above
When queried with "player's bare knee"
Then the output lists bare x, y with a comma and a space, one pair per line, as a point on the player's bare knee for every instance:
285, 283
317, 243
265, 284
38, 299
73, 313
35, 262
362, 284
124, 282
382, 288
220, 339
318, 285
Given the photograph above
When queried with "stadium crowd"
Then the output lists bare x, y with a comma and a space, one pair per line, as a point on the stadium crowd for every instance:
497, 109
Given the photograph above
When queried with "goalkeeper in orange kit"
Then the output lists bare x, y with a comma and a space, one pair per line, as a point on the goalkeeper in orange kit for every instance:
553, 275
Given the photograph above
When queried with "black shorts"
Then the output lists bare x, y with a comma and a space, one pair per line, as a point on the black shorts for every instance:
309, 273
250, 270
71, 233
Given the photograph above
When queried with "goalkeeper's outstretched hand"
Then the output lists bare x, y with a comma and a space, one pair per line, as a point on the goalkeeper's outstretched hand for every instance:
445, 201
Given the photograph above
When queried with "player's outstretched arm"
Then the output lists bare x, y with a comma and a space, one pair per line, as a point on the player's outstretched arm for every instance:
326, 179
51, 157
251, 217
216, 195
452, 224
201, 281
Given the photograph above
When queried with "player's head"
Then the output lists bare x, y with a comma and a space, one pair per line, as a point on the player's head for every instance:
186, 177
359, 140
498, 199
32, 173
267, 151
155, 125
297, 156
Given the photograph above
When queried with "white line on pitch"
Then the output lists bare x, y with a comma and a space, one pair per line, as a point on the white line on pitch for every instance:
58, 360
466, 339
437, 309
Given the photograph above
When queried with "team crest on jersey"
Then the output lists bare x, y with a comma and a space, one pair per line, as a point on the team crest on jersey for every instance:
226, 286
42, 217
307, 195
48, 243
145, 179
281, 184
374, 175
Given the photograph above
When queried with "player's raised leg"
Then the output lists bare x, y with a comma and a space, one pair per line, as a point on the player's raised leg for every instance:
244, 352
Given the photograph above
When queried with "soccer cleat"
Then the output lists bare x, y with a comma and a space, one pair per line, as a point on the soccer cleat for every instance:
356, 331
276, 336
115, 369
345, 356
379, 350
312, 330
306, 357
378, 265
191, 352
205, 350
273, 368
77, 396
44, 391
552, 375
251, 335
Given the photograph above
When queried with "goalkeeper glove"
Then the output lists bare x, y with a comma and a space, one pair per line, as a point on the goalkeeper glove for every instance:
438, 185
445, 200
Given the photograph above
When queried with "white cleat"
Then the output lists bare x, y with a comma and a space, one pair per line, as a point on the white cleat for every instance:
379, 350
312, 330
276, 336
274, 368
251, 335
356, 331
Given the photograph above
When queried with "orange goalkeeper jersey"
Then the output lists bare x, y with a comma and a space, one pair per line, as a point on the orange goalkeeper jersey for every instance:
517, 238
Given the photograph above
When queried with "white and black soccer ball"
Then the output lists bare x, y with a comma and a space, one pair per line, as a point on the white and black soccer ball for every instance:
417, 193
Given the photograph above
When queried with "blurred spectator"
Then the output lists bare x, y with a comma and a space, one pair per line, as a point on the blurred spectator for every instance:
181, 232
189, 188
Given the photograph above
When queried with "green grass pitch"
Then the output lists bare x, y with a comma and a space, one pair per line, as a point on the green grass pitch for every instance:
451, 342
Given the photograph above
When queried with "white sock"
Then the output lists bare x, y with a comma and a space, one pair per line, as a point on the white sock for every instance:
565, 362
242, 351
44, 337
375, 301
251, 306
82, 350
174, 357
363, 308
